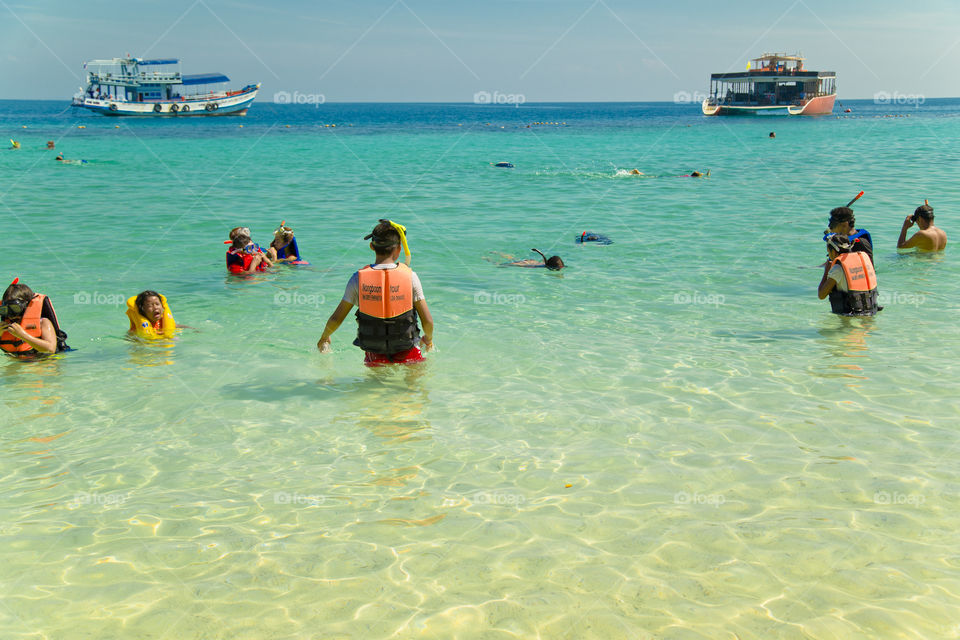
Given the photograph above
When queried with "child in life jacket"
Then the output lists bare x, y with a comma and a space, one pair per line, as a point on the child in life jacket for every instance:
269, 257
390, 300
28, 323
284, 246
848, 279
244, 257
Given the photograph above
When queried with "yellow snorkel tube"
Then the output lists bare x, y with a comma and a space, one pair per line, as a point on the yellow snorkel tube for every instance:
402, 230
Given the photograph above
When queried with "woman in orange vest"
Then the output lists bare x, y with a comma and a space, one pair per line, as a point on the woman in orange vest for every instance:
28, 323
390, 300
848, 278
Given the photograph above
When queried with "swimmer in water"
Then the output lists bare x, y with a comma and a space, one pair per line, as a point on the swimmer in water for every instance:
697, 174
928, 238
636, 172
553, 263
589, 236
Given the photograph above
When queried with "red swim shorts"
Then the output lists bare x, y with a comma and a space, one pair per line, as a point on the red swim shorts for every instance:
409, 356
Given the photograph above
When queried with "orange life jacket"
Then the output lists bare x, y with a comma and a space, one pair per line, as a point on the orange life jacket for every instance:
386, 319
38, 308
860, 299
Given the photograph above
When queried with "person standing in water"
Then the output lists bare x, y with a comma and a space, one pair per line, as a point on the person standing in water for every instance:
848, 279
842, 223
390, 300
928, 238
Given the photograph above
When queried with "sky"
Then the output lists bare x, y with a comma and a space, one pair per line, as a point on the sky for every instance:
508, 50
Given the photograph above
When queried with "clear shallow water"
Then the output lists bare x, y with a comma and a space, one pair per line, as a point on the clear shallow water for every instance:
673, 438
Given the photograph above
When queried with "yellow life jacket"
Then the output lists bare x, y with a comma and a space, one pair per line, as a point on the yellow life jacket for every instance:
143, 328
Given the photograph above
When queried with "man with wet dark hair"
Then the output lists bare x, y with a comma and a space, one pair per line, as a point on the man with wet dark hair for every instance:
842, 223
928, 238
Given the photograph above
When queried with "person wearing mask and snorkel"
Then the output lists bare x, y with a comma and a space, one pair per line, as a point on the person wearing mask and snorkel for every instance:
390, 300
848, 279
553, 263
28, 323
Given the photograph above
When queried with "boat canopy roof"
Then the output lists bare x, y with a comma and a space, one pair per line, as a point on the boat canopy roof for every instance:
205, 78
779, 57
145, 63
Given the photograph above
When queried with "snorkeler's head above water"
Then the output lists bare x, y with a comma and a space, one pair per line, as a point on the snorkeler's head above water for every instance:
554, 263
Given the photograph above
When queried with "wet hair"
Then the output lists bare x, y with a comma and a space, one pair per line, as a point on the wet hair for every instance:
840, 214
554, 263
240, 241
142, 298
282, 237
19, 293
839, 243
384, 238
235, 232
924, 211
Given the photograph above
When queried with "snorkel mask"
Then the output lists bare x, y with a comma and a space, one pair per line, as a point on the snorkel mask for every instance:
840, 244
15, 308
12, 310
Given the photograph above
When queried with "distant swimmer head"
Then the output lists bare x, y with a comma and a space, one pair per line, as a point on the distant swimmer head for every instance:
16, 298
923, 212
505, 165
773, 134
60, 156
241, 242
839, 243
841, 216
283, 233
149, 305
50, 144
554, 263
636, 172
384, 238
240, 231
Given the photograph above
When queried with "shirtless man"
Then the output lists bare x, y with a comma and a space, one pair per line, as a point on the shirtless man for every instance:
928, 238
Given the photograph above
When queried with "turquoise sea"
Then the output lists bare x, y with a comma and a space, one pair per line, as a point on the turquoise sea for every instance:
673, 438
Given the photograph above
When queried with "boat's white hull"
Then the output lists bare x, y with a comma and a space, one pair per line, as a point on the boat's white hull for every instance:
218, 105
821, 105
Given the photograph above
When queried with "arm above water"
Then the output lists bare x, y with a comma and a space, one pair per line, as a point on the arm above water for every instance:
426, 321
333, 323
826, 283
